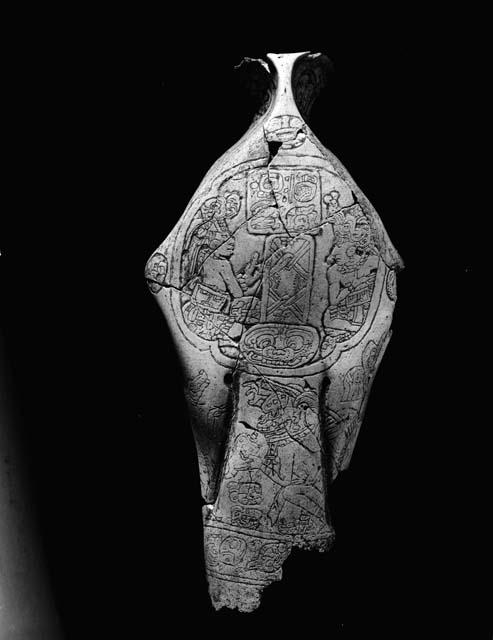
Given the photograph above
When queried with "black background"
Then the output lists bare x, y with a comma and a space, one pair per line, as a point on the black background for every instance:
115, 121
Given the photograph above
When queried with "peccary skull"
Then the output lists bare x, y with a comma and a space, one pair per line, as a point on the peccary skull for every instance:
278, 285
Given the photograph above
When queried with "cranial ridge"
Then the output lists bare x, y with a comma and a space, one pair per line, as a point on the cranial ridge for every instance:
278, 284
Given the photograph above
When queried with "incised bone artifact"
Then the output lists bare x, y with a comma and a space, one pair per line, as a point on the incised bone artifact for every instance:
278, 285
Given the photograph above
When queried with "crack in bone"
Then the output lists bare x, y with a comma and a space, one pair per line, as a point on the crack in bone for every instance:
163, 285
270, 160
277, 203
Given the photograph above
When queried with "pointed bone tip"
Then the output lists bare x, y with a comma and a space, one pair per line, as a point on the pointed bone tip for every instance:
297, 53
318, 59
292, 57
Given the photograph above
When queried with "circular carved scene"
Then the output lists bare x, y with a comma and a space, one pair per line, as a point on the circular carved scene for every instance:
278, 266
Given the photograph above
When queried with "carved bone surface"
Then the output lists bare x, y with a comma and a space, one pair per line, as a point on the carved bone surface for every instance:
278, 284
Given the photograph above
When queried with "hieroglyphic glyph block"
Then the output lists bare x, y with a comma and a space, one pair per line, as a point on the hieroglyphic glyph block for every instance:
278, 285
